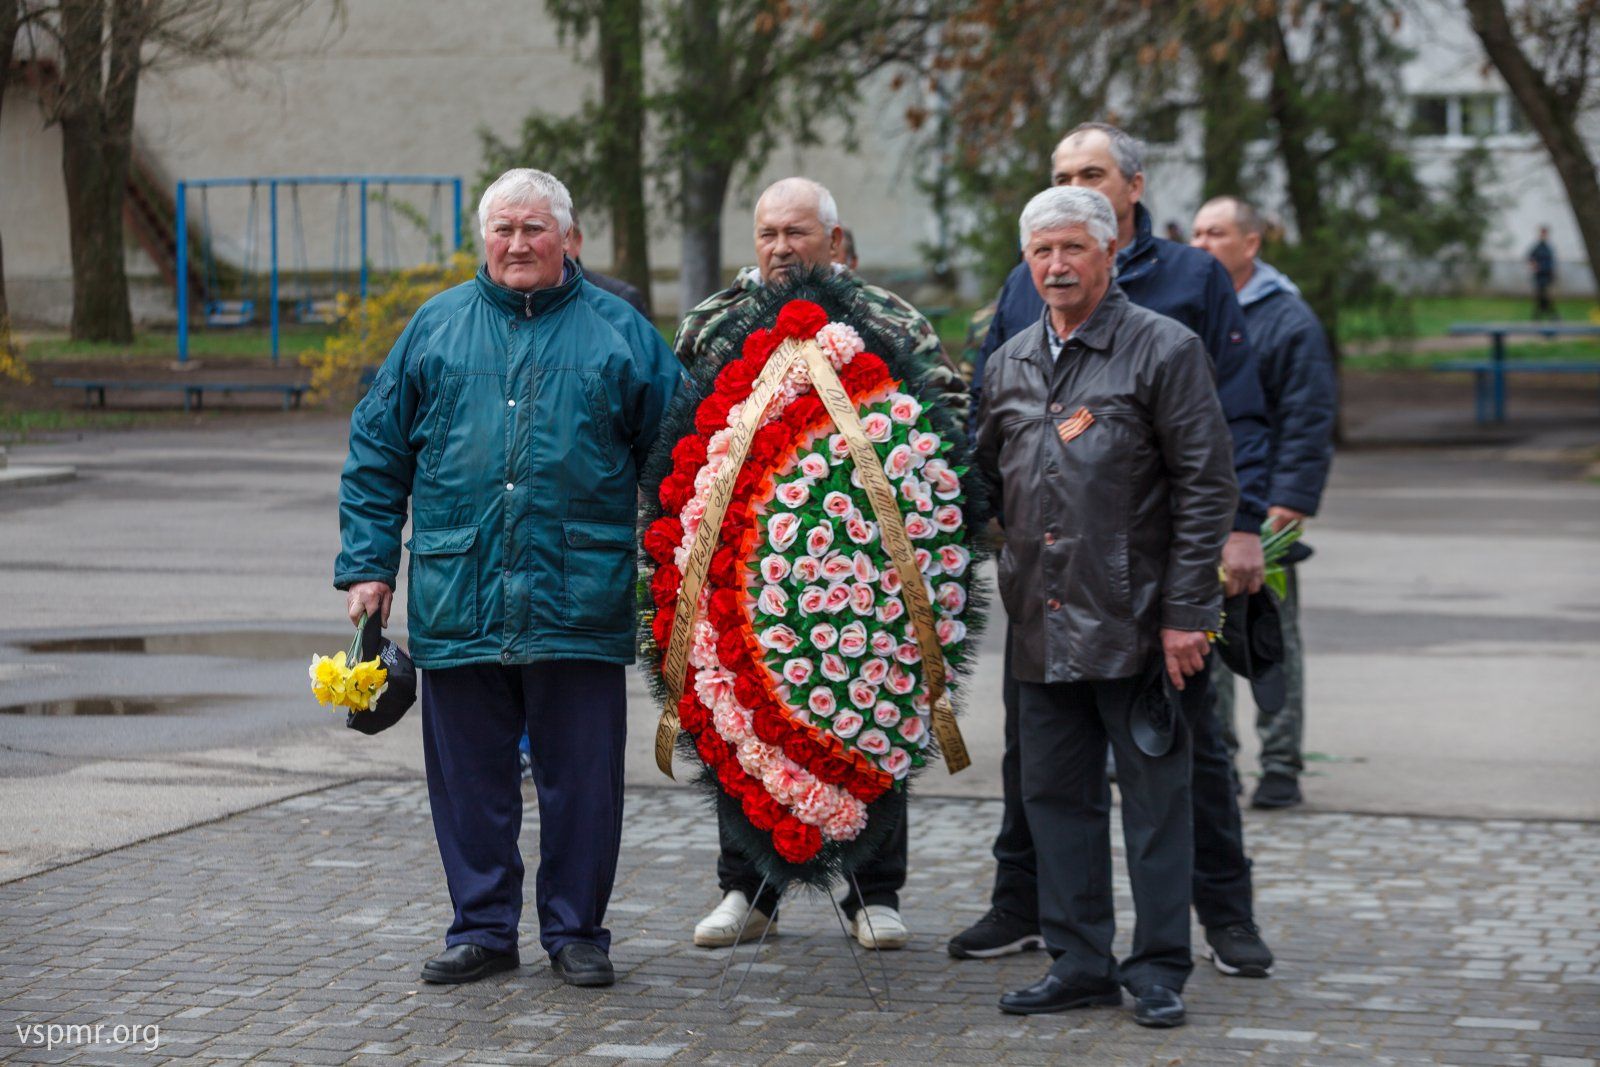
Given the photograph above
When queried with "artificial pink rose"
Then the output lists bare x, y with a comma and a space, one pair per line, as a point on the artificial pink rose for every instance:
919, 703
946, 484
823, 636
897, 763
836, 504
874, 671
863, 694
900, 681
885, 714
890, 610
797, 671
861, 531
897, 464
834, 669
838, 448
836, 567
811, 599
904, 409
954, 559
793, 494
950, 631
807, 569
822, 703
813, 466
838, 597
862, 598
847, 724
914, 729
853, 640
947, 518
883, 644
889, 581
924, 444
926, 563
917, 493
774, 568
873, 741
865, 570
908, 653
818, 539
773, 601
919, 528
951, 597
779, 638
782, 529
877, 427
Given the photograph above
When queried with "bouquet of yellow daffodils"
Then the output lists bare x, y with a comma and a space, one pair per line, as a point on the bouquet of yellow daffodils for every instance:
343, 681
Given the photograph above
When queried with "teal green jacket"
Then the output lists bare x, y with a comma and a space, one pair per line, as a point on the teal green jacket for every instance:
515, 424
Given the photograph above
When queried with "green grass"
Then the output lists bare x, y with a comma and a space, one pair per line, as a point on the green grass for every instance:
21, 425
248, 343
1564, 351
1432, 316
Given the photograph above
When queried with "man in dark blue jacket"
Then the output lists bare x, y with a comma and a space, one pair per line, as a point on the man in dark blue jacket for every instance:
1297, 377
1187, 285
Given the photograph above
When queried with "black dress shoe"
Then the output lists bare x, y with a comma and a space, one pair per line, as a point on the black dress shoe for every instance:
581, 963
467, 963
1158, 1007
1052, 993
1277, 791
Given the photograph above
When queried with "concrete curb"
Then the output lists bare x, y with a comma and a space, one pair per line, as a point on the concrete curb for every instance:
17, 477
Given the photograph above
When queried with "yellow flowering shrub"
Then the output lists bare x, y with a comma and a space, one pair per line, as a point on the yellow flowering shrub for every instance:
365, 330
12, 367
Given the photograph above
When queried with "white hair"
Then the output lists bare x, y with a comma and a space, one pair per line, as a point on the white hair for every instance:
827, 207
1069, 205
524, 185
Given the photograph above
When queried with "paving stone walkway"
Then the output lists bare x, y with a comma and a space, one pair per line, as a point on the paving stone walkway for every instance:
293, 934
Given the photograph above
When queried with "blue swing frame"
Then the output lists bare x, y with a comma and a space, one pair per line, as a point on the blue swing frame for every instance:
361, 181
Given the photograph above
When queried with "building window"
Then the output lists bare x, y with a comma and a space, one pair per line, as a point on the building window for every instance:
1466, 116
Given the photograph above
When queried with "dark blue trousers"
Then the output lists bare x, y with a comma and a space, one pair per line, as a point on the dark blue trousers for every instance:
575, 714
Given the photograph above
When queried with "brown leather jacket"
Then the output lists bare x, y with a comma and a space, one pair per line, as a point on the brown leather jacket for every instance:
1114, 521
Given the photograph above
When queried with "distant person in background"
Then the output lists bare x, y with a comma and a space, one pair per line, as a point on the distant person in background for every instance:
1542, 265
614, 286
1174, 231
1297, 378
846, 255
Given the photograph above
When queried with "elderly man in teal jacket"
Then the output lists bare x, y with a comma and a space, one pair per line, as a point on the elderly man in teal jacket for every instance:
513, 414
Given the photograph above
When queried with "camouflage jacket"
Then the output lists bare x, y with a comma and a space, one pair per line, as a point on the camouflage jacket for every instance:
893, 313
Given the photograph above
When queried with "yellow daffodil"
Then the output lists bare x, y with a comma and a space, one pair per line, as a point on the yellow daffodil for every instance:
337, 682
367, 682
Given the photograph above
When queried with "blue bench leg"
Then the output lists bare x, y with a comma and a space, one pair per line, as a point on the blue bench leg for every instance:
1480, 395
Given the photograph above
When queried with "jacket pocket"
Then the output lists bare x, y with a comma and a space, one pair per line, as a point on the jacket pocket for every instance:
599, 570
444, 581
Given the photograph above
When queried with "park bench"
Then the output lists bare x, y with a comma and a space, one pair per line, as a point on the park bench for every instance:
1489, 375
94, 389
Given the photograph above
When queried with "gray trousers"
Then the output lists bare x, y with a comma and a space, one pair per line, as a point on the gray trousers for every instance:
1281, 731
1063, 729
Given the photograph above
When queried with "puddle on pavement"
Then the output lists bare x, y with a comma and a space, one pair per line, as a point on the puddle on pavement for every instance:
86, 706
232, 644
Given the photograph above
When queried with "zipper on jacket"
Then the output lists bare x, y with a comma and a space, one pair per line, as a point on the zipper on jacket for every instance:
527, 305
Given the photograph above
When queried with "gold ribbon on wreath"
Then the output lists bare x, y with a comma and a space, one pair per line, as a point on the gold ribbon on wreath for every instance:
706, 536
830, 390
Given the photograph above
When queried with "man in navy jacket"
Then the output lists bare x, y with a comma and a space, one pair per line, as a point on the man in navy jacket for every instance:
1297, 377
1190, 286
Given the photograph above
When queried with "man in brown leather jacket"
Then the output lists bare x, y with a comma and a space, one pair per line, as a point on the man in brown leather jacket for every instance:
1102, 433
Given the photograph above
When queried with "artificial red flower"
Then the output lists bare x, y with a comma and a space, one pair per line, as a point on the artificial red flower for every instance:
725, 568
737, 377
763, 811
800, 319
803, 412
664, 586
661, 628
692, 715
758, 345
712, 748
712, 414
662, 538
689, 452
770, 726
733, 653
794, 840
725, 610
749, 691
675, 492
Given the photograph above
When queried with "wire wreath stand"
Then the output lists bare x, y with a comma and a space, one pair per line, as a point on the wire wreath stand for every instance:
850, 942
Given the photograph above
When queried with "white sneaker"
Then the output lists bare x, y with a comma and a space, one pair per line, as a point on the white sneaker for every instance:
879, 926
721, 928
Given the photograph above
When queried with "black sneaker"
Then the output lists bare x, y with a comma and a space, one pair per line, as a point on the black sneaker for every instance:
999, 933
1277, 791
1239, 951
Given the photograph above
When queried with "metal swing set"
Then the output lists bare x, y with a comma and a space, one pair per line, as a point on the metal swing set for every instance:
262, 294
